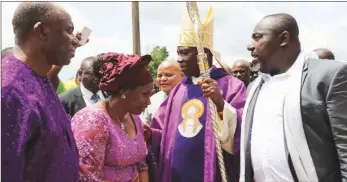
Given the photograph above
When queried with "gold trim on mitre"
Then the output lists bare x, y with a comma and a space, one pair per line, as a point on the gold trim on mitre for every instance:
187, 31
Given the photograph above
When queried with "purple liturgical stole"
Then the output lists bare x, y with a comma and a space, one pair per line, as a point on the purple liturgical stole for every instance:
188, 153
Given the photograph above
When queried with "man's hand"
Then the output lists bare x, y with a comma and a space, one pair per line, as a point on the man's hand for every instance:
210, 89
79, 37
147, 132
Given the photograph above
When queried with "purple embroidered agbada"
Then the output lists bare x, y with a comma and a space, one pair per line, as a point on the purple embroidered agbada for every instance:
167, 143
37, 142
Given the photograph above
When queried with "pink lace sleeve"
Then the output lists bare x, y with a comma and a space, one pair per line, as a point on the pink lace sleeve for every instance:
91, 135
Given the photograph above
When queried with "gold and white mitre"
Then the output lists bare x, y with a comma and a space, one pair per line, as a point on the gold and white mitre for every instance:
187, 32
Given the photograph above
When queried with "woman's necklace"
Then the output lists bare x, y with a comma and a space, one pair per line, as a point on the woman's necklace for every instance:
121, 123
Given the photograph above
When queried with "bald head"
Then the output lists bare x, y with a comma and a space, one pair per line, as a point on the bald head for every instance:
87, 63
28, 14
281, 22
324, 53
241, 70
242, 62
169, 62
169, 75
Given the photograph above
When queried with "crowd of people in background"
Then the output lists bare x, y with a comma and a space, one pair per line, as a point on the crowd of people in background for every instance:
280, 117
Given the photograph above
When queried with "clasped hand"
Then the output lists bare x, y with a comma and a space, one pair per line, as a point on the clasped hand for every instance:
210, 89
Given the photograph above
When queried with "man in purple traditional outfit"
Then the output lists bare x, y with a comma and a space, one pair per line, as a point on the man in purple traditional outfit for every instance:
182, 140
37, 141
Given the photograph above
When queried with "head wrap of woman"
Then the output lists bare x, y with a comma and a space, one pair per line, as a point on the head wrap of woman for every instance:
119, 71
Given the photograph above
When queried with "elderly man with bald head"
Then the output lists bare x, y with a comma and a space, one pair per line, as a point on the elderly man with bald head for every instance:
37, 141
295, 119
169, 75
241, 70
324, 53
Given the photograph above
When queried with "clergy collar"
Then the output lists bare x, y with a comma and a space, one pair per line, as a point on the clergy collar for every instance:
195, 80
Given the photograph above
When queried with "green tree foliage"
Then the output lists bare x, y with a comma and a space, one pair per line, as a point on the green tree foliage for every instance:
159, 54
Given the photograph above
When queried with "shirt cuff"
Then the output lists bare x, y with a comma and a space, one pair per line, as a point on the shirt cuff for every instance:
227, 127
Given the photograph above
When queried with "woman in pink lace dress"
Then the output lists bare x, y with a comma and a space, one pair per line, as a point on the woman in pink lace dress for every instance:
109, 134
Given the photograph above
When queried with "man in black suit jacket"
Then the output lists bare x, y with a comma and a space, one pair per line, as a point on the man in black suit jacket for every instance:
88, 91
295, 119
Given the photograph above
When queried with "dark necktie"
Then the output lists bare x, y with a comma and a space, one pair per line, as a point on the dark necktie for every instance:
95, 98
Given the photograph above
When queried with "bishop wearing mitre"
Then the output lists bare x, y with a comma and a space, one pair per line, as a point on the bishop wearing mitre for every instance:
182, 142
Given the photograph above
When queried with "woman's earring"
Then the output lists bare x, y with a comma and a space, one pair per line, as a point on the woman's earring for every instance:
123, 96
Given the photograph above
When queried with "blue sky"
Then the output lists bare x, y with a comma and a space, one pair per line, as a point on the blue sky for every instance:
322, 24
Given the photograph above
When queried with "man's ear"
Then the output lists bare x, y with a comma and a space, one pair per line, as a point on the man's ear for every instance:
284, 38
80, 73
41, 31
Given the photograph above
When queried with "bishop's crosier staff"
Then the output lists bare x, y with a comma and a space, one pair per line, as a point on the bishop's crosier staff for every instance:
204, 73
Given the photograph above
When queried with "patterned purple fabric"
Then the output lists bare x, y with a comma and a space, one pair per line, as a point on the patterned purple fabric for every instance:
164, 127
36, 138
106, 152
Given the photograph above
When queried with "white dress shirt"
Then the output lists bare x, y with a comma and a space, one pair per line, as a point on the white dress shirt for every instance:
268, 148
87, 95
